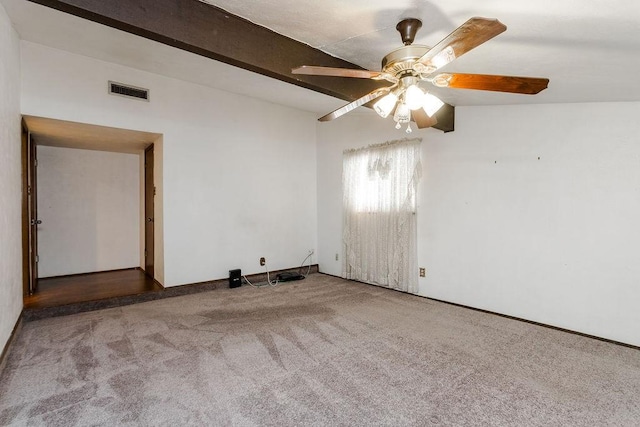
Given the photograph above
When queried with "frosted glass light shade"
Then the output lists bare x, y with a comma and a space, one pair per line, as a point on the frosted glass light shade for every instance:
402, 114
385, 105
413, 97
431, 104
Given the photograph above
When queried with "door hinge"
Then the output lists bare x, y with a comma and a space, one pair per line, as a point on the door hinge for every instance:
28, 189
35, 162
37, 258
145, 253
154, 190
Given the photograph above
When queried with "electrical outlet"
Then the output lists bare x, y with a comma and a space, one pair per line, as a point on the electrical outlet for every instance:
262, 261
423, 271
336, 256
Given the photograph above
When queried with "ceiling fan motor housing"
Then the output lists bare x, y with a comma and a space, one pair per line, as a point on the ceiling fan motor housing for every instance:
408, 29
402, 60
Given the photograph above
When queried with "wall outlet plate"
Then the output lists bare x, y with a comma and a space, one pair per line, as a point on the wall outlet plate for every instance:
423, 272
262, 261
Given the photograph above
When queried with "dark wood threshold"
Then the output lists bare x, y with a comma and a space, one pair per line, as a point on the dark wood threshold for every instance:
532, 322
9, 343
86, 288
166, 292
154, 279
89, 273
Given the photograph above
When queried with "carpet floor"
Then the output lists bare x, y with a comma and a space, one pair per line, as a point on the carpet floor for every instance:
322, 351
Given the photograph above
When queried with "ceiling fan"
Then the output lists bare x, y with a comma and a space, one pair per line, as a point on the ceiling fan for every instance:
407, 67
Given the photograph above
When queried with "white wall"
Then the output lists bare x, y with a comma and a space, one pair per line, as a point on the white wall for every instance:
555, 240
239, 174
10, 180
89, 204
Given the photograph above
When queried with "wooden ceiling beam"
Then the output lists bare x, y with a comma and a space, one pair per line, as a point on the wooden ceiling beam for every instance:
209, 31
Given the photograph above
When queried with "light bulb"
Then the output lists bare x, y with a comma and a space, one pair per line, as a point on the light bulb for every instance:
402, 114
413, 97
385, 105
431, 104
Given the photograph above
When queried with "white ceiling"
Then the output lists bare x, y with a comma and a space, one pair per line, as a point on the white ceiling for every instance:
588, 49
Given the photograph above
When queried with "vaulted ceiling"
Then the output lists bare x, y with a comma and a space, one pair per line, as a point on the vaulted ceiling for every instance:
588, 50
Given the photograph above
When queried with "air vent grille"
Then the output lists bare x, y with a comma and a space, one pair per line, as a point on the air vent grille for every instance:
128, 91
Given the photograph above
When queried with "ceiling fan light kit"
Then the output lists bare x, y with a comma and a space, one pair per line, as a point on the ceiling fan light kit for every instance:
402, 115
431, 104
385, 105
413, 96
407, 67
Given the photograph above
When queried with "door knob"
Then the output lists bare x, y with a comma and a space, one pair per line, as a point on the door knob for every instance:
36, 221
149, 219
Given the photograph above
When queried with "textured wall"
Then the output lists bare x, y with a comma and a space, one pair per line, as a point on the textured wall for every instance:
530, 211
89, 204
239, 174
10, 180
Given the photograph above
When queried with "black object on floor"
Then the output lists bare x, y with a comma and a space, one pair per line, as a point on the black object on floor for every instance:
289, 276
235, 278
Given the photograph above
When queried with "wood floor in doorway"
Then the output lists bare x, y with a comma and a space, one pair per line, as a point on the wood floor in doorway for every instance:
59, 291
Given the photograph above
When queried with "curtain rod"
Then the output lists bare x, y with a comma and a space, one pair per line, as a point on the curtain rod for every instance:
384, 144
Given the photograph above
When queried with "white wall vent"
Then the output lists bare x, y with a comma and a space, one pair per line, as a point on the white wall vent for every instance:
128, 91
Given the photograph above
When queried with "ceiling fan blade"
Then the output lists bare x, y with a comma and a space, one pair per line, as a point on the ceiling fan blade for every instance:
313, 70
355, 104
422, 119
511, 84
469, 35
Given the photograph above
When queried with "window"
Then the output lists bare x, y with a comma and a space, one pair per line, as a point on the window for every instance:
379, 190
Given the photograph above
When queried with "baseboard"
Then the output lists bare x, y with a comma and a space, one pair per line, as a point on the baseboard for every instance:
262, 277
7, 346
336, 276
532, 322
89, 273
166, 292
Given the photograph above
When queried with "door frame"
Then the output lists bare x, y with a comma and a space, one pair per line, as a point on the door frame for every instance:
29, 213
149, 215
95, 132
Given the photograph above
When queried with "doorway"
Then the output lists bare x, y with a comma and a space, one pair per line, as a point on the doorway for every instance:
49, 133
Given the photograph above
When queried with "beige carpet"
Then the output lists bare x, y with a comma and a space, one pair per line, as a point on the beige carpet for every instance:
322, 351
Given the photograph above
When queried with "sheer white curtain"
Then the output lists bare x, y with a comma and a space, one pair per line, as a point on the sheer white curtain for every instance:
379, 200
